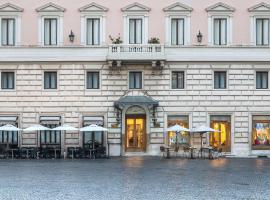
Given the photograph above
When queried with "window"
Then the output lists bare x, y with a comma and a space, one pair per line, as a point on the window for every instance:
220, 31
177, 32
262, 32
8, 32
92, 80
135, 80
182, 138
261, 80
50, 31
135, 31
260, 132
220, 80
9, 138
178, 80
222, 139
93, 139
50, 80
50, 137
7, 80
93, 31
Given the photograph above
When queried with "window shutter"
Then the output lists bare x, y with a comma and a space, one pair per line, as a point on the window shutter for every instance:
4, 32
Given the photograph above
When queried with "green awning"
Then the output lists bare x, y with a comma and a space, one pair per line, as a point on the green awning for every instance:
135, 100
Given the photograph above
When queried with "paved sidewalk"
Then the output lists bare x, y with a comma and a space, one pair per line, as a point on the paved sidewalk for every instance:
135, 178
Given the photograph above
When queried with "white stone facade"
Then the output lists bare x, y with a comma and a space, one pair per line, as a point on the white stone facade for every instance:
199, 100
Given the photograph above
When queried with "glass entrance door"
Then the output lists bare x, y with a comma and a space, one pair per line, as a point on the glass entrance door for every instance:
135, 133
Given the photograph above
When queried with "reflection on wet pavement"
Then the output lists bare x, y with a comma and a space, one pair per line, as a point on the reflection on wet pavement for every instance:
135, 178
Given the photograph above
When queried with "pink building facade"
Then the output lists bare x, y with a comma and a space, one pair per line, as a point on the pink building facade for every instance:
136, 68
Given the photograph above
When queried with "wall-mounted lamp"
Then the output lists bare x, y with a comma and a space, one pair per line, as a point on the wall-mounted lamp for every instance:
199, 37
71, 36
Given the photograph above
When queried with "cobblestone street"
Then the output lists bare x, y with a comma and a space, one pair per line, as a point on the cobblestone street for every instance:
135, 178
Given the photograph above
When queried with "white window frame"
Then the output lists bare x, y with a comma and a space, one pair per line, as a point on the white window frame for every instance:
144, 18
211, 18
85, 82
59, 17
227, 79
253, 32
15, 81
187, 28
102, 28
185, 75
142, 83
17, 31
255, 79
57, 81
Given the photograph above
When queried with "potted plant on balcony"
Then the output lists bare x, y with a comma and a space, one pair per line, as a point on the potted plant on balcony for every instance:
116, 40
153, 40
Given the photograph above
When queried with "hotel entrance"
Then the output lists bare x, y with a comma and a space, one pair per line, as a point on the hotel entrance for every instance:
135, 139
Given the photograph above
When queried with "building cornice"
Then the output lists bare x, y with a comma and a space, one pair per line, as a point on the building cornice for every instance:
100, 54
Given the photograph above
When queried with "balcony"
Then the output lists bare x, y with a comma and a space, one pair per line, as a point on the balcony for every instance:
136, 53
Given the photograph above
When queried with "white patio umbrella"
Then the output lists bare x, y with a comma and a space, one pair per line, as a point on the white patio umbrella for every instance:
92, 128
177, 129
9, 127
36, 127
202, 130
65, 127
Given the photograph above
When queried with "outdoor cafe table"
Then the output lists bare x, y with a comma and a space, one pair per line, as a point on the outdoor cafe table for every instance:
72, 151
90, 153
192, 152
167, 151
12, 152
55, 152
210, 151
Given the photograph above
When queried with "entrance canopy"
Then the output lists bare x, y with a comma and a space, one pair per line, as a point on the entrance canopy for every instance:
135, 100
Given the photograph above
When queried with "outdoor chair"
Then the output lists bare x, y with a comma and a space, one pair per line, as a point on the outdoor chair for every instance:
100, 152
33, 153
204, 153
69, 152
78, 153
186, 152
23, 153
2, 152
162, 150
217, 153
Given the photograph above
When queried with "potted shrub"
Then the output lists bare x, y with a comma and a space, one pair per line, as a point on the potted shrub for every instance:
116, 40
153, 40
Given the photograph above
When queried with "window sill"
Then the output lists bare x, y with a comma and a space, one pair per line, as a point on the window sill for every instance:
261, 147
184, 89
92, 90
134, 89
220, 89
50, 90
8, 90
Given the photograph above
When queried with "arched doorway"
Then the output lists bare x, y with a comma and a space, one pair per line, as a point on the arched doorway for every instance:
135, 134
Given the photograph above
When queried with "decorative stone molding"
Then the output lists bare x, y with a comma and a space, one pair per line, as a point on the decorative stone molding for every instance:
178, 10
8, 7
220, 10
136, 7
261, 7
50, 7
261, 10
220, 7
178, 7
93, 10
137, 11
93, 7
